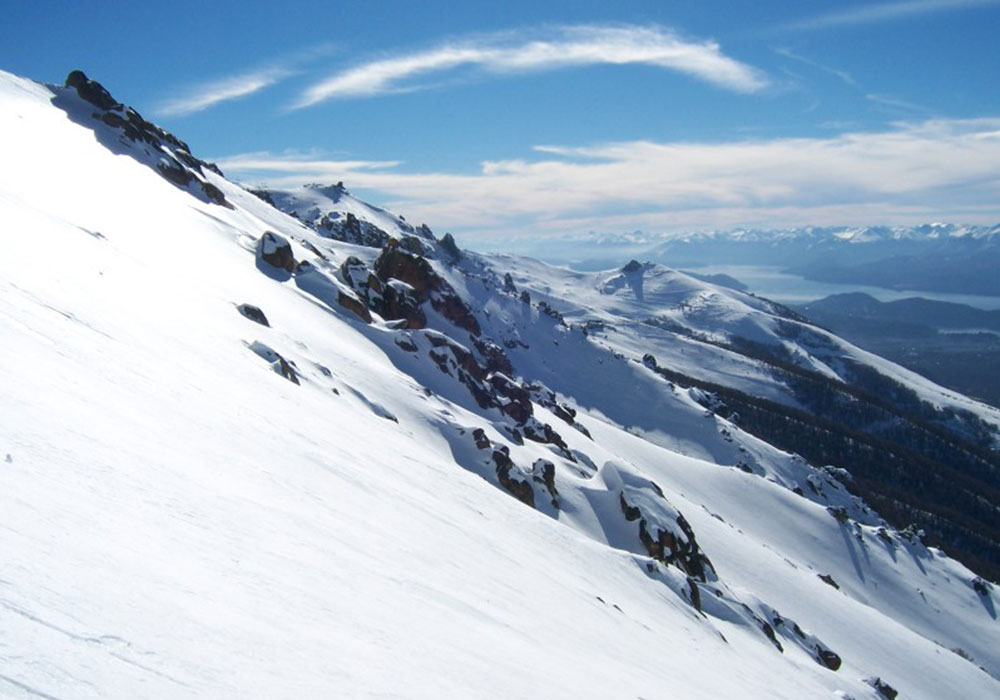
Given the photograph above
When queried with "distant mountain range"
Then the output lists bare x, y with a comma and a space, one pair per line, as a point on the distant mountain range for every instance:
937, 257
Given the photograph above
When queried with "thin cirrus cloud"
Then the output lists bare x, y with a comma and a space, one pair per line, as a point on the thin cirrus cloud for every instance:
205, 95
884, 12
564, 47
911, 171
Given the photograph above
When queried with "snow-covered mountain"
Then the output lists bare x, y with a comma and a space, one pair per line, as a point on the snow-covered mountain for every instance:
246, 453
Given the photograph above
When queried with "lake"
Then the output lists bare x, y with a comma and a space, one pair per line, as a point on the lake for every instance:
771, 282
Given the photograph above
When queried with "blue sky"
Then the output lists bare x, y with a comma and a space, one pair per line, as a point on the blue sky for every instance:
548, 118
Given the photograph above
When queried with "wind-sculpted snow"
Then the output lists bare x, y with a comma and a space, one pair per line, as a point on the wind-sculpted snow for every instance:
220, 480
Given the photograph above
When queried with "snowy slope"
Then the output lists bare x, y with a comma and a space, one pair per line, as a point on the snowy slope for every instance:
180, 519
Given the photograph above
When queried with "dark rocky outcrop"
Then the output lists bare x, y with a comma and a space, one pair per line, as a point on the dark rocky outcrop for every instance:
493, 356
839, 513
511, 479
516, 480
398, 302
632, 266
518, 400
544, 472
352, 303
449, 246
173, 171
451, 306
278, 363
262, 195
676, 546
828, 580
546, 309
91, 90
404, 342
350, 229
883, 688
253, 313
396, 263
508, 284
276, 251
828, 658
537, 431
163, 151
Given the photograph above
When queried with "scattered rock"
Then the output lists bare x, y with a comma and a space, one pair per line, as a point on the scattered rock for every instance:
508, 284
544, 472
253, 313
479, 436
213, 193
350, 229
174, 171
276, 251
828, 658
883, 688
839, 513
404, 342
278, 363
511, 479
828, 580
263, 195
552, 313
664, 532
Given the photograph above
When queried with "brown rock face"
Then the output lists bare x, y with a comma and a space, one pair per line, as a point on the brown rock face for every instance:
276, 251
670, 547
352, 303
406, 267
451, 306
521, 490
397, 263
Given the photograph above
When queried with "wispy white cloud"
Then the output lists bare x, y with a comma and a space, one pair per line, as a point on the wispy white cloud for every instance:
884, 12
202, 96
842, 74
552, 49
205, 95
931, 169
894, 105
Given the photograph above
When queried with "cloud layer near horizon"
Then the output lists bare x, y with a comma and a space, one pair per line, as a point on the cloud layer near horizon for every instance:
553, 48
914, 171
